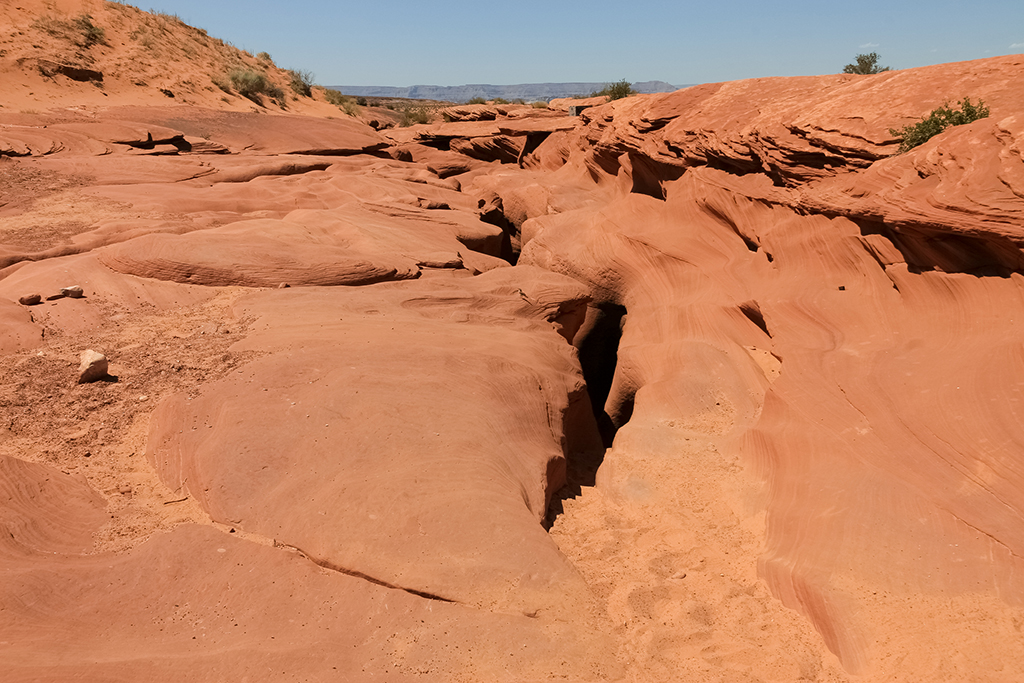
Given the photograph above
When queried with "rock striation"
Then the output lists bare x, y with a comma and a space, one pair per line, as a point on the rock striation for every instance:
705, 385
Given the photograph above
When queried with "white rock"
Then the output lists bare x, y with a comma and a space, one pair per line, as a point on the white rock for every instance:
73, 292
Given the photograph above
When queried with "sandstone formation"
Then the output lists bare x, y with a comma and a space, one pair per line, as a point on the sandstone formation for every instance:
703, 386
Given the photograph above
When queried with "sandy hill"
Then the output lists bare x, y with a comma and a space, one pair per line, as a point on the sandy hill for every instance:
710, 385
97, 53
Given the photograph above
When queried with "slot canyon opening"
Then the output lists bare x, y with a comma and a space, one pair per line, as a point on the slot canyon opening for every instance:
597, 344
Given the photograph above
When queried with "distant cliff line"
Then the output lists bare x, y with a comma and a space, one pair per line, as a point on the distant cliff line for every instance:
530, 92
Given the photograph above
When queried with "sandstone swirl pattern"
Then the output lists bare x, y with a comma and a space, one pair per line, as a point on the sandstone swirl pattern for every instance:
747, 406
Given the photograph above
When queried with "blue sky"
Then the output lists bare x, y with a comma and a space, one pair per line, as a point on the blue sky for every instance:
397, 42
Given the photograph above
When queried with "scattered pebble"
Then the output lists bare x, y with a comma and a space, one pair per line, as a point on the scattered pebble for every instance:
30, 300
73, 292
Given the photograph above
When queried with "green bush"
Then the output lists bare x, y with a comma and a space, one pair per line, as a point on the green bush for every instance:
301, 82
250, 83
866, 65
616, 91
939, 120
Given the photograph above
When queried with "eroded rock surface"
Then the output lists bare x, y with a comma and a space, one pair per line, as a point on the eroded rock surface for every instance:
747, 407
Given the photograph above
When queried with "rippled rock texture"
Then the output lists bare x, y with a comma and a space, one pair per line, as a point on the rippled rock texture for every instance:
746, 407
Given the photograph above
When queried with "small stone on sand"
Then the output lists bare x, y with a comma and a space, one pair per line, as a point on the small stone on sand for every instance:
94, 367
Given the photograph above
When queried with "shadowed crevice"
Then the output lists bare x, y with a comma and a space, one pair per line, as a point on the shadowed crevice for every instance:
598, 345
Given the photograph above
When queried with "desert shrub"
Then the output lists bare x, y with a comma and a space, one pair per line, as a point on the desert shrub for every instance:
275, 92
411, 115
222, 83
539, 104
499, 100
937, 121
616, 91
265, 57
334, 97
79, 30
249, 83
91, 34
476, 100
866, 65
518, 100
361, 101
344, 102
301, 82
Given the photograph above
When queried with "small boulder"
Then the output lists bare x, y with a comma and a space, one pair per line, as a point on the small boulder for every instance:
93, 368
73, 292
30, 300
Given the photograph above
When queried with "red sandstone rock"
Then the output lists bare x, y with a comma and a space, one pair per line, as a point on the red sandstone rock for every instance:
805, 354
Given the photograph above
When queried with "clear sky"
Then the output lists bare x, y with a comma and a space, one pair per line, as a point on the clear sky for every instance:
455, 42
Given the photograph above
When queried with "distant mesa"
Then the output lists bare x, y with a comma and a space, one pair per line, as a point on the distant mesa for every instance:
524, 91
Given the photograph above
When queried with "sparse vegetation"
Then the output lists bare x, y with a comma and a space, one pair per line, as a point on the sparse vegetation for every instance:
411, 115
343, 102
79, 30
499, 100
866, 65
222, 83
476, 100
250, 84
265, 57
274, 92
616, 91
539, 104
301, 82
937, 121
361, 101
91, 34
